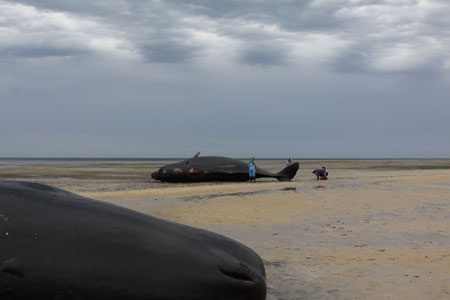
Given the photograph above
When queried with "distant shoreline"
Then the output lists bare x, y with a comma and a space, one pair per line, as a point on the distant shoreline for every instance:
272, 164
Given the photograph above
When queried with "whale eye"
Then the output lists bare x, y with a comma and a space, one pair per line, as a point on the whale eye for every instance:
14, 267
236, 274
236, 270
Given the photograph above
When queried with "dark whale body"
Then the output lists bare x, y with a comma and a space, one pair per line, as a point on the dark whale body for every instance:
216, 168
58, 245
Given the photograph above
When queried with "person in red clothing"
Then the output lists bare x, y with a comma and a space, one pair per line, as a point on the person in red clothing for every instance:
321, 173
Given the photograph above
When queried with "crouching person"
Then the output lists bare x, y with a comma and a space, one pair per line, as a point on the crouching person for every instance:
321, 173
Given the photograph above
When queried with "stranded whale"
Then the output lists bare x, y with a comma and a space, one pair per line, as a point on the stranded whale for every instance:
216, 168
58, 245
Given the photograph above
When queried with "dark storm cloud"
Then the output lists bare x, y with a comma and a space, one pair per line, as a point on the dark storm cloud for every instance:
167, 52
40, 52
267, 78
351, 61
262, 56
363, 33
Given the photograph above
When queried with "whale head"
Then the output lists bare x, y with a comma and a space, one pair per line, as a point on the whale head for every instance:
58, 245
173, 172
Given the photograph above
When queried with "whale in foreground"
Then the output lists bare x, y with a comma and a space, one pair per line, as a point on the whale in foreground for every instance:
58, 245
216, 168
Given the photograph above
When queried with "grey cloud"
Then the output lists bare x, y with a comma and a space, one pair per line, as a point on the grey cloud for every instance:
187, 76
353, 60
263, 56
290, 15
38, 33
40, 52
82, 7
416, 30
356, 59
158, 30
236, 8
167, 52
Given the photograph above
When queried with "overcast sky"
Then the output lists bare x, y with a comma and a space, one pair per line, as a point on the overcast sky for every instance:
263, 78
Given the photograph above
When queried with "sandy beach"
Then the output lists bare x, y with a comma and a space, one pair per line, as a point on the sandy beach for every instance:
377, 229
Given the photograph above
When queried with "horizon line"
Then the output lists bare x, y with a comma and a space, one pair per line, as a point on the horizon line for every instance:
174, 158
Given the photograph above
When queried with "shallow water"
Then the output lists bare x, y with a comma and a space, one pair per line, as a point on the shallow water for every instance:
195, 198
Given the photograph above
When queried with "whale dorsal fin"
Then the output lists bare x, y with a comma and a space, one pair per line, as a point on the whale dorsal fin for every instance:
196, 155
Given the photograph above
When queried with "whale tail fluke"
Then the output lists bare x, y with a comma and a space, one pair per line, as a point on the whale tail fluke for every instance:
288, 173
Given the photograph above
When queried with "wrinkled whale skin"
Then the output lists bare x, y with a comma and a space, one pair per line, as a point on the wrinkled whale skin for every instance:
58, 245
216, 168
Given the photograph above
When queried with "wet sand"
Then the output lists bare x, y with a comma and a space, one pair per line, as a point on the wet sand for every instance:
375, 230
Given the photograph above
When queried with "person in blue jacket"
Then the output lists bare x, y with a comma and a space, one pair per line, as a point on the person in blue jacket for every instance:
252, 170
